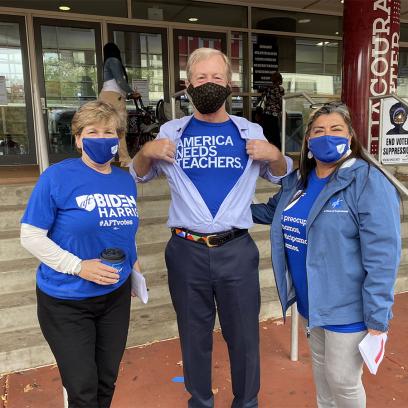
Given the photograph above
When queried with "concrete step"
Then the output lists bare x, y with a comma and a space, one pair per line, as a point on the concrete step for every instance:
18, 194
18, 309
26, 348
21, 349
15, 194
10, 217
17, 276
151, 253
10, 248
150, 207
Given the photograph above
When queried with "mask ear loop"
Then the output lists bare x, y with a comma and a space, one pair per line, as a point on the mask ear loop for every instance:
190, 99
349, 151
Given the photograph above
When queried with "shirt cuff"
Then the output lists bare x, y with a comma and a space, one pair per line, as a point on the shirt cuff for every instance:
276, 179
150, 175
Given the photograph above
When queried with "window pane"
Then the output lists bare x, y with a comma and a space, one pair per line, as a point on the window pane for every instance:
294, 22
308, 65
113, 8
239, 69
183, 11
402, 86
69, 60
13, 112
142, 55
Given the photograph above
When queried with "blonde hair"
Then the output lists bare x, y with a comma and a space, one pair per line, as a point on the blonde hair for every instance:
203, 53
96, 112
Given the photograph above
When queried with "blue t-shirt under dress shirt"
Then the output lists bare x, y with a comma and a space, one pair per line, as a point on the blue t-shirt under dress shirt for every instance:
213, 156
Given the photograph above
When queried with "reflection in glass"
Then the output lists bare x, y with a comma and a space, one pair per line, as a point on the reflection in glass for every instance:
308, 65
187, 11
70, 75
402, 84
142, 55
237, 62
13, 112
116, 8
186, 45
237, 106
296, 22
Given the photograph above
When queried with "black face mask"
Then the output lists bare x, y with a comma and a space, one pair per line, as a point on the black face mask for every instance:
209, 97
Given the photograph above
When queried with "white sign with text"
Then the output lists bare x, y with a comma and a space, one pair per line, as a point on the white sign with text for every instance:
393, 132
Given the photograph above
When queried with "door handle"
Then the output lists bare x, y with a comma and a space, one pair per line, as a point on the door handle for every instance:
43, 105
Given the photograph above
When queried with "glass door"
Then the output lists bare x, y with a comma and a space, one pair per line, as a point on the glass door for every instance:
17, 144
144, 55
70, 69
185, 42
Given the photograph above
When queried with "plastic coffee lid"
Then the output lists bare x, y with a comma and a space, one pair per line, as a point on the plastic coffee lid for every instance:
113, 255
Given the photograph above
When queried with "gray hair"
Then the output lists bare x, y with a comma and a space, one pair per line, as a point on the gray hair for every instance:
203, 53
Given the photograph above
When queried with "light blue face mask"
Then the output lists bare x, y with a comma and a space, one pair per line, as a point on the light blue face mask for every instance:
100, 150
329, 149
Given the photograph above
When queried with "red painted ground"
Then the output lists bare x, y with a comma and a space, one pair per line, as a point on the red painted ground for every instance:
146, 373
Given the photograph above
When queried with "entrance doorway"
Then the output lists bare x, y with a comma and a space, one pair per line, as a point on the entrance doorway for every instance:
69, 69
185, 42
16, 124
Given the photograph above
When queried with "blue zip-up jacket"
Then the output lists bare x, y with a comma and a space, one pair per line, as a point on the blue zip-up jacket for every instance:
353, 246
187, 208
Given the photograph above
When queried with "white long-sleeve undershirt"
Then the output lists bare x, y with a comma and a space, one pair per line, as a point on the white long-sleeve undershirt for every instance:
36, 241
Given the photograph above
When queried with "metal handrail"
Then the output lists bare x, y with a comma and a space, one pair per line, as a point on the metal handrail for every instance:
284, 99
173, 102
294, 328
398, 185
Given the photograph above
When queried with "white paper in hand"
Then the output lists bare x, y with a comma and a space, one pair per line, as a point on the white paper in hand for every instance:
372, 349
139, 287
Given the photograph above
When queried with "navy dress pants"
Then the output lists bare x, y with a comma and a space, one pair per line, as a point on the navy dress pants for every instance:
202, 281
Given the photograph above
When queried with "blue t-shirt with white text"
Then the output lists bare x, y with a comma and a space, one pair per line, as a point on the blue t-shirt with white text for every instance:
294, 221
213, 156
84, 212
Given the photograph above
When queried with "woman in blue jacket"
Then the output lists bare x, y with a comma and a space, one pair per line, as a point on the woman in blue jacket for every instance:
335, 233
78, 209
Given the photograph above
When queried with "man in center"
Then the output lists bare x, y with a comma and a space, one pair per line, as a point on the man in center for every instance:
212, 161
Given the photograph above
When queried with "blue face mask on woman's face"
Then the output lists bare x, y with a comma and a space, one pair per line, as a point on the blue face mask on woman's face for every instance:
329, 149
100, 149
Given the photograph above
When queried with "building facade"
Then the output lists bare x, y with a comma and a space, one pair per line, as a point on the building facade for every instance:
51, 60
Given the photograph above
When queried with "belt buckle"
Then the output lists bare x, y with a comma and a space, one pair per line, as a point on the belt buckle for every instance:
207, 241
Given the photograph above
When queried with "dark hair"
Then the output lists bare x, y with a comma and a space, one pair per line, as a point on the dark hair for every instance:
276, 77
306, 165
395, 110
111, 50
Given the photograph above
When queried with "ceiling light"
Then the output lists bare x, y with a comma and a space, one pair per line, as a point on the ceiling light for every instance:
193, 19
341, 1
64, 8
304, 20
337, 33
323, 43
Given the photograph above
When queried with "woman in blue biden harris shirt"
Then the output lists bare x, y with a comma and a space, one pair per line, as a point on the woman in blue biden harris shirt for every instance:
335, 233
79, 208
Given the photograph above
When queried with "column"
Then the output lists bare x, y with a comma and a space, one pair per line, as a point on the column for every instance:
370, 60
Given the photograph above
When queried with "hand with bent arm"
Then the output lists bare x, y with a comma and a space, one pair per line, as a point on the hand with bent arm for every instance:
94, 270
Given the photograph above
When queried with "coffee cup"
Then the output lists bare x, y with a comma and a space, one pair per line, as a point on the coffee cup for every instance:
113, 257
